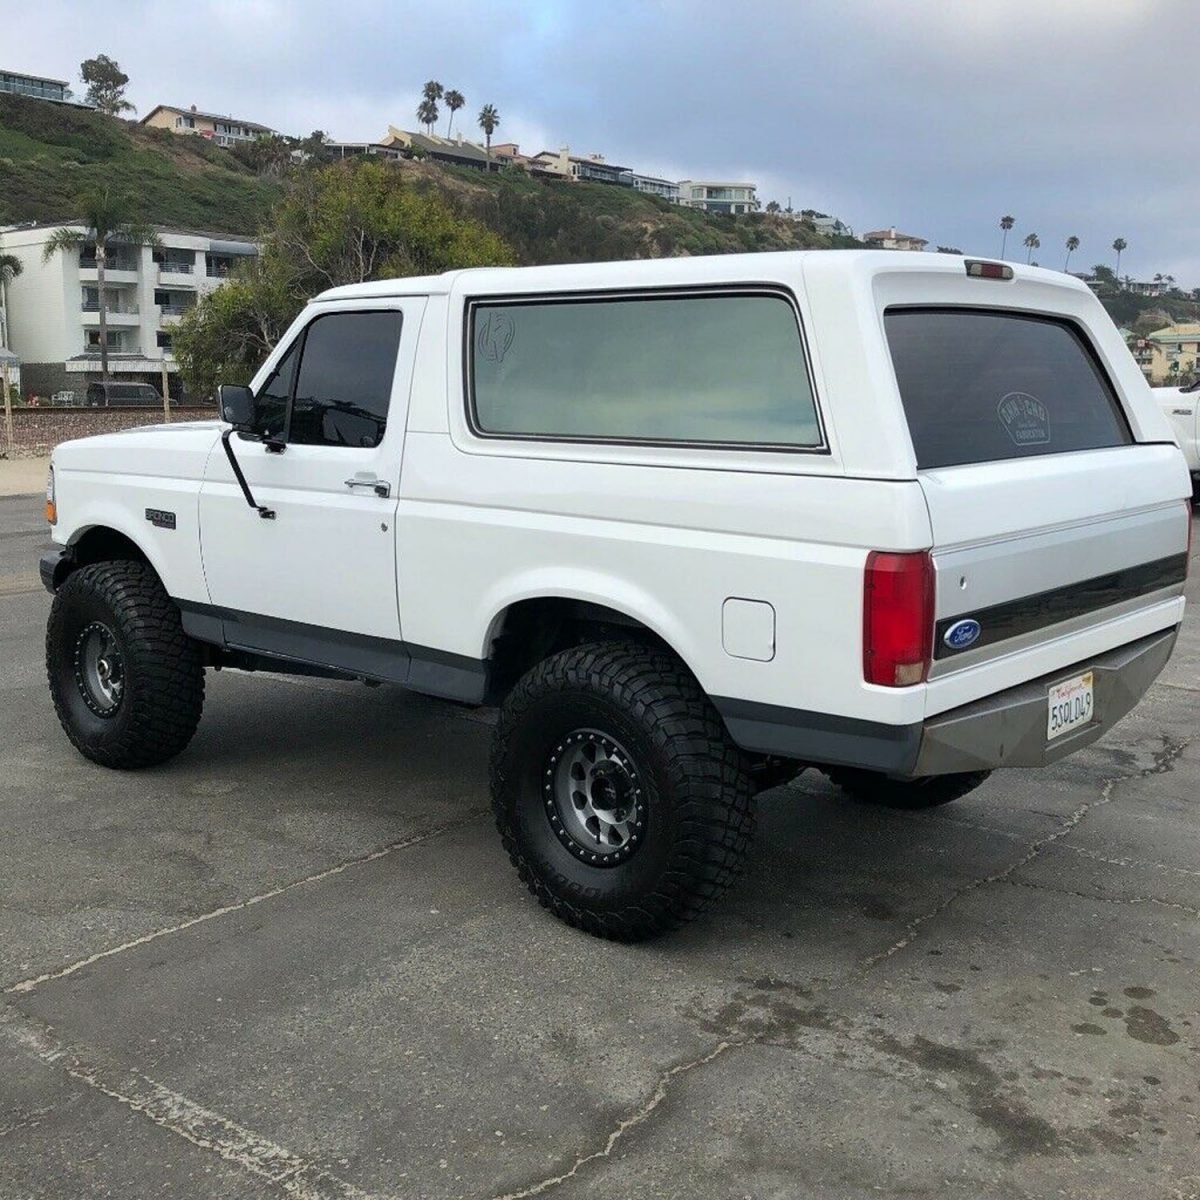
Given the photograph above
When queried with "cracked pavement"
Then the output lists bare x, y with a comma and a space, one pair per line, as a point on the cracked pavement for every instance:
295, 962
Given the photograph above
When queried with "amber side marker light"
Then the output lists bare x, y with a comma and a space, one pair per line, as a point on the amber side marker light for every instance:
51, 508
987, 270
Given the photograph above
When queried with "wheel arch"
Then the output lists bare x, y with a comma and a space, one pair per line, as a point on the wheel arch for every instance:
103, 542
538, 622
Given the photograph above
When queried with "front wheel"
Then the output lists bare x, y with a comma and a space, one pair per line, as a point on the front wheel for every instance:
618, 795
127, 682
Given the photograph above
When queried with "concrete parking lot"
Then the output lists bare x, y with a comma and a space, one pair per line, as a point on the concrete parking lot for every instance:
295, 962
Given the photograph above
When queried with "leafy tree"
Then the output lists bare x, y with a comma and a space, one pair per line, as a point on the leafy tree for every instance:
106, 85
489, 118
454, 101
108, 219
1119, 245
1105, 276
1072, 246
948, 250
1006, 223
313, 147
343, 223
773, 206
1031, 243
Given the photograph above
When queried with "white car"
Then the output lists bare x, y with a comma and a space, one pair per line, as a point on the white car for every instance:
1181, 407
693, 524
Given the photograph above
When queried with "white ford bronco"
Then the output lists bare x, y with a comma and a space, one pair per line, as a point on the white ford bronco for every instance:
692, 524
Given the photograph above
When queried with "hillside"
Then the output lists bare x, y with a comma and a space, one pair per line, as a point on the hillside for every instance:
557, 222
50, 153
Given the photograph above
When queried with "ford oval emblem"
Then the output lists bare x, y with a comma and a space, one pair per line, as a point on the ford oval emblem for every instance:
962, 634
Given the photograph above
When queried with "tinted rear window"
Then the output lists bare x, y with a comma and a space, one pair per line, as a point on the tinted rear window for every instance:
985, 386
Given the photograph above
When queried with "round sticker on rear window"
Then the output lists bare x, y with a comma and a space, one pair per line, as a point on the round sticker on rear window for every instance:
1025, 418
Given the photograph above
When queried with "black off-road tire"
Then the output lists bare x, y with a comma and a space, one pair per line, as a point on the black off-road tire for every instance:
871, 787
162, 669
695, 798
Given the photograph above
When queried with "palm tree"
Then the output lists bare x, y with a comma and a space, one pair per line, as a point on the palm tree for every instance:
1006, 223
427, 114
1119, 245
489, 118
1032, 242
1072, 246
10, 267
107, 219
454, 101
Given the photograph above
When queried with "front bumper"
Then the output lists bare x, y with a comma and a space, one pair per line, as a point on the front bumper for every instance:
54, 566
1007, 729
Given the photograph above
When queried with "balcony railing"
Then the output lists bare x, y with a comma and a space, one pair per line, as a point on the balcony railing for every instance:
126, 306
175, 310
175, 267
110, 264
124, 350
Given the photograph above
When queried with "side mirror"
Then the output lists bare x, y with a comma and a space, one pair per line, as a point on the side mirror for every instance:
237, 405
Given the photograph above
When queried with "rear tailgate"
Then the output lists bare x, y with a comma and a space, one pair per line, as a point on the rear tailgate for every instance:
1057, 534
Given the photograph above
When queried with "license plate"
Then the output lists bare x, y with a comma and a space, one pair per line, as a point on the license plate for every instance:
1072, 705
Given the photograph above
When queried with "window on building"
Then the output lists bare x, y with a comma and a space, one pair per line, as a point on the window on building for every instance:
722, 368
162, 340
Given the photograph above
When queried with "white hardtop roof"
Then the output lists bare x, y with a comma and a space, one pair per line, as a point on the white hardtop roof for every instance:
765, 267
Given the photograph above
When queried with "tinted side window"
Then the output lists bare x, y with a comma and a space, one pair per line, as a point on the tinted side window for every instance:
983, 386
345, 380
721, 368
273, 396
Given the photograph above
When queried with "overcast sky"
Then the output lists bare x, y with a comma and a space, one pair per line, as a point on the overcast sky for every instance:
936, 116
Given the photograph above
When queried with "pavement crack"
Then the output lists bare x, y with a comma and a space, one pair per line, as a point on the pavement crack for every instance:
642, 1113
1163, 762
204, 1128
1045, 887
27, 985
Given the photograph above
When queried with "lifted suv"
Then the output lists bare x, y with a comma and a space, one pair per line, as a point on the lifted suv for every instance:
693, 524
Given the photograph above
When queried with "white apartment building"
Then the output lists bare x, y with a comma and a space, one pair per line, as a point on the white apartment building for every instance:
53, 306
719, 196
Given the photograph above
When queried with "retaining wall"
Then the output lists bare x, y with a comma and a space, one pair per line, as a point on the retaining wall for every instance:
36, 431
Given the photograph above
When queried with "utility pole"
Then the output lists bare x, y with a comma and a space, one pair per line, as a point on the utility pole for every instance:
166, 390
9, 444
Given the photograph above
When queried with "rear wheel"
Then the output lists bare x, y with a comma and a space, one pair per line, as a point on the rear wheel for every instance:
127, 682
618, 795
872, 787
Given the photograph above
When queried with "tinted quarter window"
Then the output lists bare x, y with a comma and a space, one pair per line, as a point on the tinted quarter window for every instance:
272, 398
345, 380
982, 386
723, 368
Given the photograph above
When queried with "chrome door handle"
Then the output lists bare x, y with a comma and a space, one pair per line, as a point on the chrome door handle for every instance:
381, 489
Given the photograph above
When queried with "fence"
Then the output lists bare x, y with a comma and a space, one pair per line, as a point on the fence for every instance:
36, 431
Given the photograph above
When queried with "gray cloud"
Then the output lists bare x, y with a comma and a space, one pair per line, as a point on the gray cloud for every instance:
1076, 116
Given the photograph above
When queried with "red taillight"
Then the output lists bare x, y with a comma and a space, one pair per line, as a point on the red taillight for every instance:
897, 618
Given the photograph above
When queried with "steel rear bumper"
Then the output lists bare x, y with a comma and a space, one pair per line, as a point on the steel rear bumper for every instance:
1009, 728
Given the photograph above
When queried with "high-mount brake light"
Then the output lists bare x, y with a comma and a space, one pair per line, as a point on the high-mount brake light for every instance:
987, 270
897, 618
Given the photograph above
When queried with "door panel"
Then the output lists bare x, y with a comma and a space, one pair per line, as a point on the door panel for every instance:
327, 559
